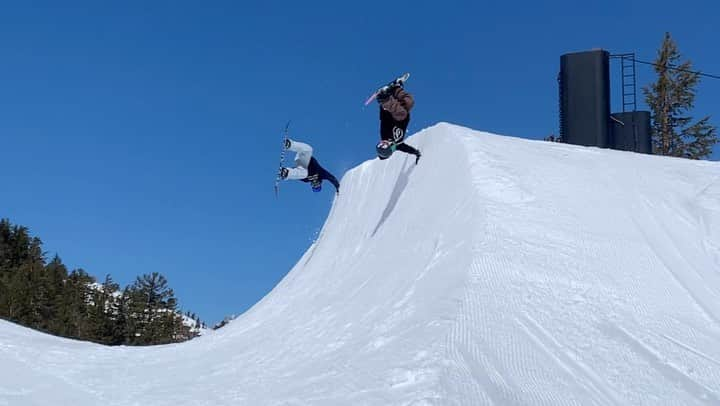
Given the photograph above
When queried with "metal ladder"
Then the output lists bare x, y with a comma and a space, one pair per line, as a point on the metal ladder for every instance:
628, 77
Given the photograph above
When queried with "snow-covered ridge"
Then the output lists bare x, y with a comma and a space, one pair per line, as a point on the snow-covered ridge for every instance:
498, 271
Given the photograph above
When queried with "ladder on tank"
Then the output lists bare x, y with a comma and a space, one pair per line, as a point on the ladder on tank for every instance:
628, 77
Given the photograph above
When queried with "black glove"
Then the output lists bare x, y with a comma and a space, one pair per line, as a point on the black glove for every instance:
286, 143
397, 83
386, 92
283, 173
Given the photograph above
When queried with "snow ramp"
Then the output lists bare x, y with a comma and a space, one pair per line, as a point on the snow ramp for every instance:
498, 271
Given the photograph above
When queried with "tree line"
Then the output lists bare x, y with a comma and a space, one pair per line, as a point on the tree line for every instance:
45, 296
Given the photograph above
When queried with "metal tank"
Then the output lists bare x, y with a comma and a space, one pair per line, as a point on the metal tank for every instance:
584, 84
631, 132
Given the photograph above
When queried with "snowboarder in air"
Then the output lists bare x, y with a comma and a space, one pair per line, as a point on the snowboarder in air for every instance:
307, 168
395, 105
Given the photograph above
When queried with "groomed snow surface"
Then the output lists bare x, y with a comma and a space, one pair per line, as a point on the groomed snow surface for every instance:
498, 271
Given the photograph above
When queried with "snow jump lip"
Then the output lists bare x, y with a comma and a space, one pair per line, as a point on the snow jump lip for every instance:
494, 272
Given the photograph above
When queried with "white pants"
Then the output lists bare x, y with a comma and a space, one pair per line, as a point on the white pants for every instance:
303, 153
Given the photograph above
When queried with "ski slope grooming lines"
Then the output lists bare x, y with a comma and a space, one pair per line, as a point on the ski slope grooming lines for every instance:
497, 271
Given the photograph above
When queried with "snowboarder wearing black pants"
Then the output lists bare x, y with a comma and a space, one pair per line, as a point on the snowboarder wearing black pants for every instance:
395, 105
307, 168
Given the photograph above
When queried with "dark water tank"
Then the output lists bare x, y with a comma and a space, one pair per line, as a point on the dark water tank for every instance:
631, 132
585, 98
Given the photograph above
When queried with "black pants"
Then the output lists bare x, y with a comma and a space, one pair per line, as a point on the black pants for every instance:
391, 130
406, 148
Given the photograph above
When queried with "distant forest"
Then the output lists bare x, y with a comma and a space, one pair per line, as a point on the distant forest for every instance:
43, 295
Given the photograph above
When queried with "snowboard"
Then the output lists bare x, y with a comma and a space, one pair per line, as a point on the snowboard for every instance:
402, 79
282, 159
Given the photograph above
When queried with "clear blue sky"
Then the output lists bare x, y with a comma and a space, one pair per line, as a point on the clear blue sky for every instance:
143, 136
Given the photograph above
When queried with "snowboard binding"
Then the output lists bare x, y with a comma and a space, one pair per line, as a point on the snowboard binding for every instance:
385, 149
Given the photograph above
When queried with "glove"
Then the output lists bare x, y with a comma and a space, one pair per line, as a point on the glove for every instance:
283, 173
384, 94
389, 90
286, 143
397, 83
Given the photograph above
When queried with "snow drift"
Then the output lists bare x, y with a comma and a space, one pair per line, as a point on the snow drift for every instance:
498, 271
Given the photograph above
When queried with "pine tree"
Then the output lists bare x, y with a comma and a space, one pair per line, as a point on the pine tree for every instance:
19, 293
670, 98
75, 307
102, 312
115, 317
49, 290
152, 316
21, 270
55, 276
46, 297
124, 328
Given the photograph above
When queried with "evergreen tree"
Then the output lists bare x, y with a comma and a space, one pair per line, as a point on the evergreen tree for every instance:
102, 312
21, 266
19, 291
670, 98
152, 316
75, 305
122, 325
46, 297
55, 276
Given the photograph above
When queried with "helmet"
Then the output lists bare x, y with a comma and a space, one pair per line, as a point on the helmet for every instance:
384, 149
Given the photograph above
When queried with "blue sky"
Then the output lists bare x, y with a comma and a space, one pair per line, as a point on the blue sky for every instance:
143, 136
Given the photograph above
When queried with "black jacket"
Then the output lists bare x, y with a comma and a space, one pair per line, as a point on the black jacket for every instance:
316, 174
391, 129
395, 115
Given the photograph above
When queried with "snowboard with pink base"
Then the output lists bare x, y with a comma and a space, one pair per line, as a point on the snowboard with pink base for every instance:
401, 80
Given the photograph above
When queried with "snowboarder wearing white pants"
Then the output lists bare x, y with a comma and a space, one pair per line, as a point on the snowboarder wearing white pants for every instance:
307, 169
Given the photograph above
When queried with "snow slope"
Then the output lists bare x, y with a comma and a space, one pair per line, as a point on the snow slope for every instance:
498, 271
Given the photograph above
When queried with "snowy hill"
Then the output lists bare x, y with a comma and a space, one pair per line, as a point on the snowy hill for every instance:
498, 271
